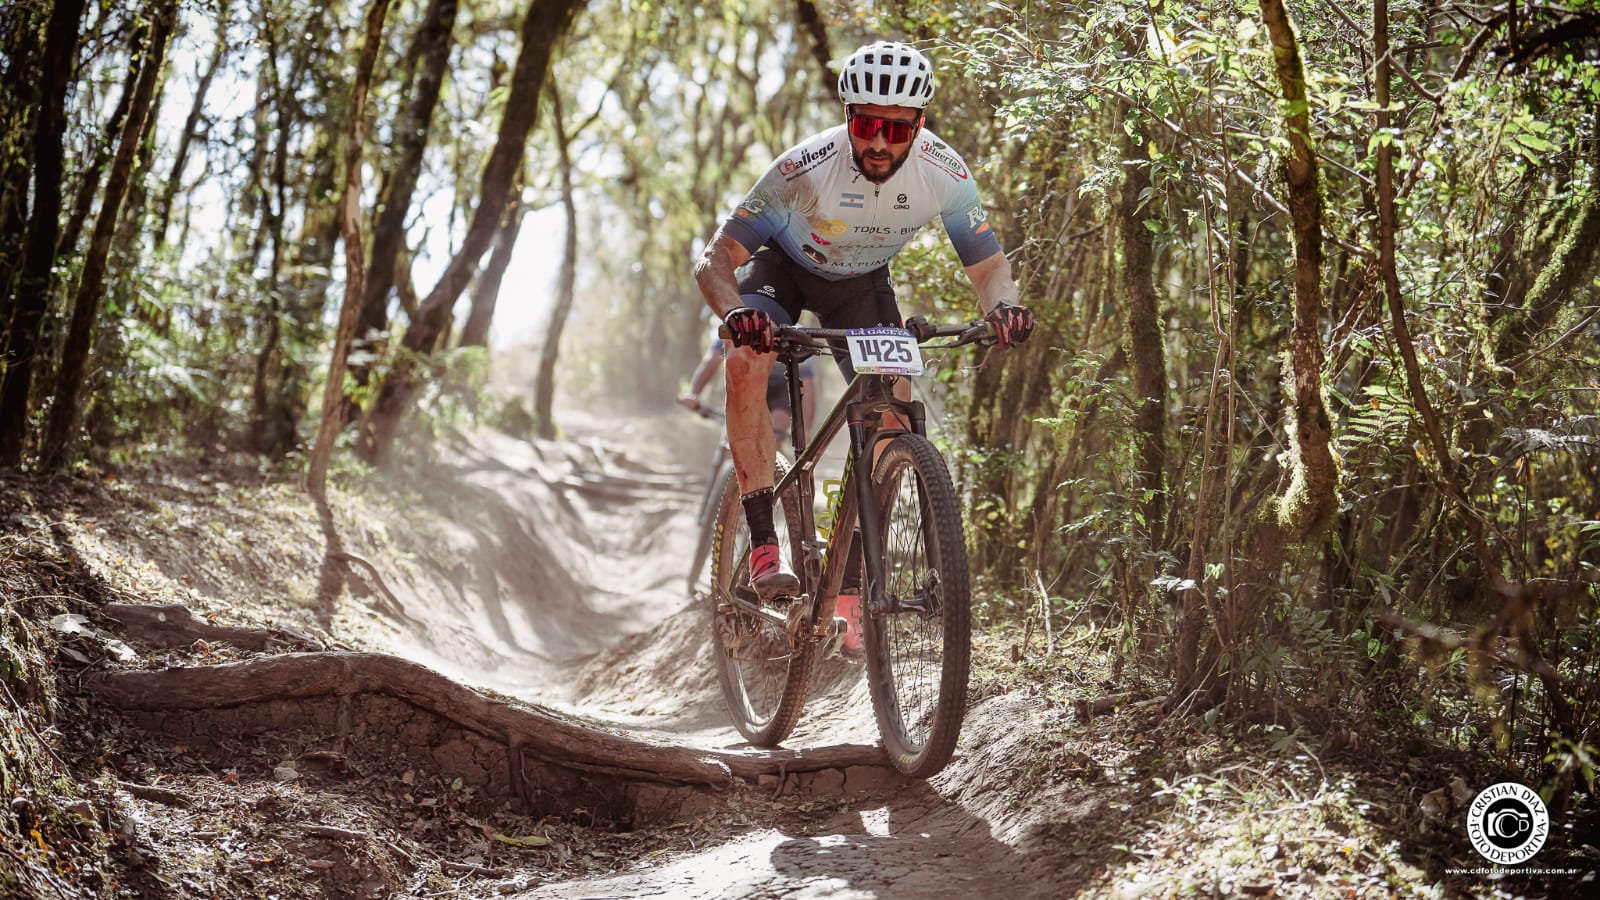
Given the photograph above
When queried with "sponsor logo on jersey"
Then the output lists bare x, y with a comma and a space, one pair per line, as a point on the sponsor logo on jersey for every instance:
819, 239
752, 206
976, 216
767, 289
902, 202
793, 167
830, 227
942, 157
814, 255
854, 201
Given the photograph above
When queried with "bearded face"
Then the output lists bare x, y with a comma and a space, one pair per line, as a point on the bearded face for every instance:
881, 137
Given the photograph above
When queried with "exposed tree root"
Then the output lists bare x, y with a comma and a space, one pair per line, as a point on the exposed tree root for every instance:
516, 726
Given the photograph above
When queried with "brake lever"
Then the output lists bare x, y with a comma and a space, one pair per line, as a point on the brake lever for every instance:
982, 333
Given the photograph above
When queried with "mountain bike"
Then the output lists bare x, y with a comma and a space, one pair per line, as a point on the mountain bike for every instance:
897, 503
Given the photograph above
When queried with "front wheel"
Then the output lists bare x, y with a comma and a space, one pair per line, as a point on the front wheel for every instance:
764, 676
918, 647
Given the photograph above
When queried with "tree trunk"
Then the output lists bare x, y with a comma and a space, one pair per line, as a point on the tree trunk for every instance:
1571, 266
543, 26
1146, 350
1307, 506
355, 268
431, 47
486, 292
90, 174
811, 23
1312, 497
1387, 227
186, 138
266, 389
33, 286
19, 59
91, 288
544, 385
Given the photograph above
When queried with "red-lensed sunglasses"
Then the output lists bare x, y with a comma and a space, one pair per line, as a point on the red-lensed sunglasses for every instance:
894, 130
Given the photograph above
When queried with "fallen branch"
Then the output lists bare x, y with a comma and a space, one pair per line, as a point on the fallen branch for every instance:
173, 625
542, 734
1435, 637
1526, 659
457, 868
151, 792
332, 833
1111, 703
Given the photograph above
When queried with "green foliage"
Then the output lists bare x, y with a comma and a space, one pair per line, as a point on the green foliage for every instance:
450, 401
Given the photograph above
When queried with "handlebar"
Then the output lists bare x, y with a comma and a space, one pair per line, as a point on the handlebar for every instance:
977, 332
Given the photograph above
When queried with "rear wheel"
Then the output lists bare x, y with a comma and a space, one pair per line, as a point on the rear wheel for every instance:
918, 650
706, 528
764, 677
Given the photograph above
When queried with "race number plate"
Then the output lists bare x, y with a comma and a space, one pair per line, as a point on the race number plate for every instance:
884, 351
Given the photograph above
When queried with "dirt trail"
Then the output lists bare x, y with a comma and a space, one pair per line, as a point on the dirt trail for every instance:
570, 592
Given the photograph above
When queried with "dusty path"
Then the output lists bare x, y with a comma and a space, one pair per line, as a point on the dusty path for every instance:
572, 594
897, 849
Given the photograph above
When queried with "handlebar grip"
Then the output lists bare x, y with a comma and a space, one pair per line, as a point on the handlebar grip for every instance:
980, 331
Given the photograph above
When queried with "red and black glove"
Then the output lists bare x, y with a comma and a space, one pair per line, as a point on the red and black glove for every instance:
1012, 324
752, 328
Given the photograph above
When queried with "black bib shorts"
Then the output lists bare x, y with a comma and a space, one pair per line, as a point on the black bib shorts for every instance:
775, 284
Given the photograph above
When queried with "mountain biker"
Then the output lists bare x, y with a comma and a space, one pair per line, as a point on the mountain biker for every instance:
777, 387
817, 232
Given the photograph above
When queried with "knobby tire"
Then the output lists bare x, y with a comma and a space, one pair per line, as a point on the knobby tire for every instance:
918, 660
764, 679
699, 578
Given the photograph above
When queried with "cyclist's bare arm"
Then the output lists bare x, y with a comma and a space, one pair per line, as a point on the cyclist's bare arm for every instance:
701, 377
749, 423
993, 281
713, 272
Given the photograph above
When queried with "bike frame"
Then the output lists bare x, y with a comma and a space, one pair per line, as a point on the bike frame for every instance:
862, 412
861, 409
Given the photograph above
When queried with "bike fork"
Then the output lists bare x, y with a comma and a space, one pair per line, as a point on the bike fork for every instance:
866, 520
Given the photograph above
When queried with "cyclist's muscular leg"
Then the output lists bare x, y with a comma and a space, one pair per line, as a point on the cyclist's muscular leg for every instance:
753, 447
749, 424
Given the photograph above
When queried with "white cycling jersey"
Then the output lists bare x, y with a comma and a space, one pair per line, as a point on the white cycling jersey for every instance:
825, 214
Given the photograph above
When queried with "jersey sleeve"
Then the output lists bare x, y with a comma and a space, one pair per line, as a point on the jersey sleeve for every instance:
967, 224
761, 214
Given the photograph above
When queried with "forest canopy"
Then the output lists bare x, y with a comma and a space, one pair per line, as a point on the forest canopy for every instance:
1310, 417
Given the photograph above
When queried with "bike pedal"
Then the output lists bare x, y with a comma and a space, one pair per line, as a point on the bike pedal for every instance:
797, 617
731, 639
831, 635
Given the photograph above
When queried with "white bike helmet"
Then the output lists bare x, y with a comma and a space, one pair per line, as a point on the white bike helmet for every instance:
887, 73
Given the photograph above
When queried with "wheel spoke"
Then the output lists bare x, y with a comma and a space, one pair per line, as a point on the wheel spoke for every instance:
918, 654
764, 677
